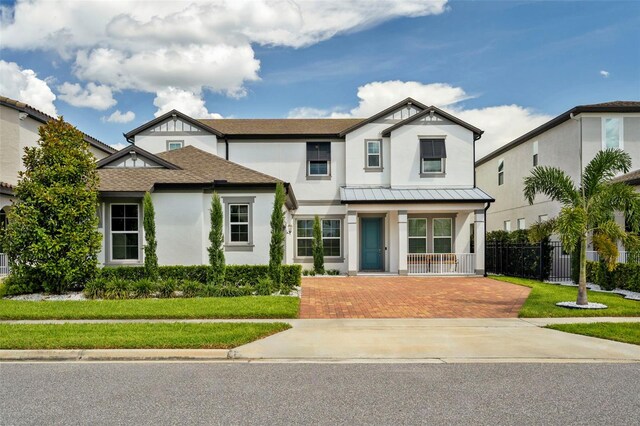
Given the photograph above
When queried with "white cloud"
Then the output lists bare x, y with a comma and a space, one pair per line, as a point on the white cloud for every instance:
186, 102
119, 117
501, 124
187, 45
604, 74
94, 96
120, 145
24, 85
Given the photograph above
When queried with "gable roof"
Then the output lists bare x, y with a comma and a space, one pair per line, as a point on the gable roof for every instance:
287, 127
45, 118
631, 178
605, 107
163, 117
476, 132
392, 108
139, 151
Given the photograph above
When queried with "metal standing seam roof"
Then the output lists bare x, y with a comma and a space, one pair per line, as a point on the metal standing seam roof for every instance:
412, 195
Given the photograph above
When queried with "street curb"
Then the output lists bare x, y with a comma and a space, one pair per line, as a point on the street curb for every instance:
113, 354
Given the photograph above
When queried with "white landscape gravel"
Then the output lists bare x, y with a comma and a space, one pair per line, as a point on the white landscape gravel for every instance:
589, 305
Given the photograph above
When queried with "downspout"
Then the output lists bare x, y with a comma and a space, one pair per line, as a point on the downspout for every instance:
485, 237
226, 148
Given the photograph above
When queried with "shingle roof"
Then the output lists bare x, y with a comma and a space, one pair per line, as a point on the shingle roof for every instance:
196, 167
44, 118
632, 178
6, 188
613, 104
282, 126
412, 195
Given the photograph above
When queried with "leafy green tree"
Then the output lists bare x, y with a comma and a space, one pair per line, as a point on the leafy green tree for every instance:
589, 209
149, 223
216, 238
317, 247
52, 239
276, 247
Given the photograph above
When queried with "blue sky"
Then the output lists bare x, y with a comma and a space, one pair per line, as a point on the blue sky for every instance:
505, 66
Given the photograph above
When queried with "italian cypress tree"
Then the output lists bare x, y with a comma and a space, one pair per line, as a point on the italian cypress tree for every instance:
276, 247
317, 247
52, 239
150, 256
216, 251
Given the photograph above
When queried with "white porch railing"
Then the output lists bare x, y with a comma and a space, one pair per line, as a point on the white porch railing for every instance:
623, 256
4, 265
441, 263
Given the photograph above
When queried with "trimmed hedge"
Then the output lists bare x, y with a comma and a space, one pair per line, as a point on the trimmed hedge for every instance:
625, 276
236, 275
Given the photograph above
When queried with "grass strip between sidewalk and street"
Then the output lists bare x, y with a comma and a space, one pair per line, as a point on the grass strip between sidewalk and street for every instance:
626, 332
199, 308
134, 335
542, 300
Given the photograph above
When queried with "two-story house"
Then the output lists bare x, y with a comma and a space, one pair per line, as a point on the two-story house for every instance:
395, 192
569, 142
19, 124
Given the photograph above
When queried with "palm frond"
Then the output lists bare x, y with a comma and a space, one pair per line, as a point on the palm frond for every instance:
552, 182
604, 167
538, 231
611, 197
570, 224
607, 249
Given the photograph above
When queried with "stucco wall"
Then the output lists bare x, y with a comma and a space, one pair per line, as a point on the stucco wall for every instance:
356, 173
15, 136
155, 143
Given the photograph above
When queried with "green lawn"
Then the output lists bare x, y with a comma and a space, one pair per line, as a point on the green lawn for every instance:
543, 297
212, 307
627, 332
134, 336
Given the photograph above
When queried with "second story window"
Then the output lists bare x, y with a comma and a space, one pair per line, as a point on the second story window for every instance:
522, 223
373, 154
171, 145
535, 153
507, 225
433, 155
318, 159
612, 133
500, 172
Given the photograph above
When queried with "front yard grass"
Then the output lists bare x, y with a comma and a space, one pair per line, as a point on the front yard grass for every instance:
542, 300
134, 335
211, 307
626, 332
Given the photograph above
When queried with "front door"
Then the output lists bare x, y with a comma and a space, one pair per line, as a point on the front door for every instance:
371, 257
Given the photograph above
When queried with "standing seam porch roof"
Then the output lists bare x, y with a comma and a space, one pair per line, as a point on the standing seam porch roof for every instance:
412, 195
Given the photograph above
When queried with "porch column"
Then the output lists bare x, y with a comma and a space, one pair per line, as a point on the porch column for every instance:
352, 235
479, 226
402, 242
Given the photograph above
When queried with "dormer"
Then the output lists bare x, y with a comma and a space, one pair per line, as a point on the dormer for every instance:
134, 157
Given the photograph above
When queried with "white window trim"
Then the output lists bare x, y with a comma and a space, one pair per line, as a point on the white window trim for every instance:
111, 232
339, 238
434, 237
425, 237
620, 129
169, 142
524, 223
319, 174
237, 245
535, 157
506, 225
439, 172
501, 172
367, 166
331, 259
545, 216
247, 223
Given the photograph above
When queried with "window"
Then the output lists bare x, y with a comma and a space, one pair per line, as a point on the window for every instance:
521, 223
507, 225
374, 154
433, 155
171, 145
318, 158
417, 235
472, 239
612, 133
124, 232
331, 234
543, 218
239, 223
500, 172
535, 153
442, 235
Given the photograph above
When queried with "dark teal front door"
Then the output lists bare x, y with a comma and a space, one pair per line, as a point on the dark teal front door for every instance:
372, 249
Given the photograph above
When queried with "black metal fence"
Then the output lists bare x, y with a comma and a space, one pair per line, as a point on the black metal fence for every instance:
544, 261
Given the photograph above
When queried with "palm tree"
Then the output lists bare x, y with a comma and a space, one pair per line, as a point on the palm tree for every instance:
588, 210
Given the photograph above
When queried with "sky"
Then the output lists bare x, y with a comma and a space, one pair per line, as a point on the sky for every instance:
503, 66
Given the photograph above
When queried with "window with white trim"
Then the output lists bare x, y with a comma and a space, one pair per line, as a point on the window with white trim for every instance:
239, 223
521, 223
500, 172
374, 154
612, 132
124, 233
318, 158
507, 225
543, 218
442, 235
171, 145
535, 153
433, 155
417, 235
331, 237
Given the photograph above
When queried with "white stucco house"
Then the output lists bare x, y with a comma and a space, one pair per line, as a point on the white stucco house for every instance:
396, 192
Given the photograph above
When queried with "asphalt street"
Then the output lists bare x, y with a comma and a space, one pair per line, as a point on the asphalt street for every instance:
173, 393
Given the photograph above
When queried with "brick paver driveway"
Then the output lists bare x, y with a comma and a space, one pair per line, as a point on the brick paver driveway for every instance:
410, 297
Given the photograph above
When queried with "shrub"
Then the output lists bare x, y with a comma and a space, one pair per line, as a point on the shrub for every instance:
116, 289
625, 276
217, 268
150, 255
14, 285
333, 272
166, 288
497, 236
190, 288
264, 287
142, 288
95, 289
317, 247
211, 290
305, 272
276, 246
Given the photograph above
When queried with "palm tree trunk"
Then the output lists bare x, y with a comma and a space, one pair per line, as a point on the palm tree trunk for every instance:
582, 281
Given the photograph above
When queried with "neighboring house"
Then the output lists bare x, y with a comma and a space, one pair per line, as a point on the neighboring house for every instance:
19, 125
569, 141
395, 192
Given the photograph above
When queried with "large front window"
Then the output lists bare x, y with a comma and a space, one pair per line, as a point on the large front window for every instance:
442, 235
417, 236
239, 223
331, 234
124, 232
